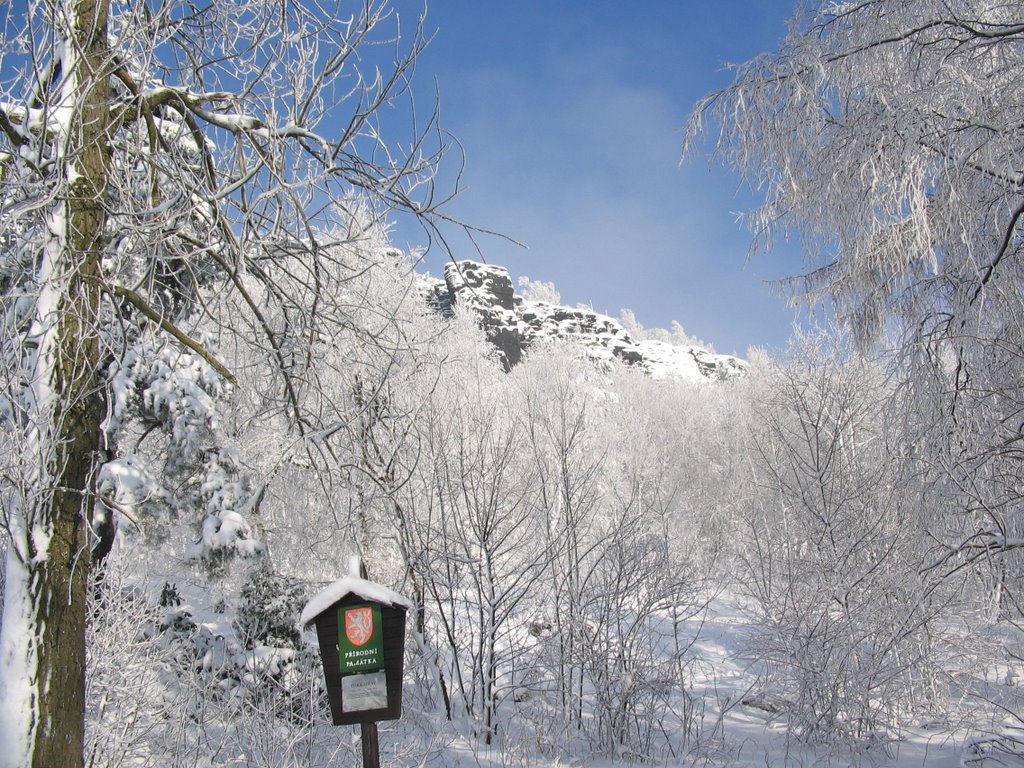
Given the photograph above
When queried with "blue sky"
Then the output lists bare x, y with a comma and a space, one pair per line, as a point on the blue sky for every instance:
571, 115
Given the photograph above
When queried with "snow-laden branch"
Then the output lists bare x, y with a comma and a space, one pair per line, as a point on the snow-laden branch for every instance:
147, 102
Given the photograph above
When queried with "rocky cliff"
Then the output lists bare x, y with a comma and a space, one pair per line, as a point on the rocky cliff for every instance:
513, 324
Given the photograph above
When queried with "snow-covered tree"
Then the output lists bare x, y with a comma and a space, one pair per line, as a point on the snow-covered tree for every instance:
556, 390
474, 535
157, 156
887, 135
845, 619
538, 290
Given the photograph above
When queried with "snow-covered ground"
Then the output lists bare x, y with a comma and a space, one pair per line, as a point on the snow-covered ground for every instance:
732, 718
738, 726
748, 733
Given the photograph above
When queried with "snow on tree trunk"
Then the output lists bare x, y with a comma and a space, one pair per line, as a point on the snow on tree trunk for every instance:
15, 681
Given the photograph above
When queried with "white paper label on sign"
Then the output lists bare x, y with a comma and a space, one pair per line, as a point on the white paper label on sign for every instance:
366, 691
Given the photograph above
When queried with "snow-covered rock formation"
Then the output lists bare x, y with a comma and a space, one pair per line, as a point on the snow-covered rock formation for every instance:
513, 324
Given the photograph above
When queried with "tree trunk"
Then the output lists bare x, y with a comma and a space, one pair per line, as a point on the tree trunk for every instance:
54, 531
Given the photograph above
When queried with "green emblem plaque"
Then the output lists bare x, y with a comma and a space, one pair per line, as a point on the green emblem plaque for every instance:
360, 638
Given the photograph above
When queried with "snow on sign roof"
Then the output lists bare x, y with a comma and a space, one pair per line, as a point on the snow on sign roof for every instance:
350, 585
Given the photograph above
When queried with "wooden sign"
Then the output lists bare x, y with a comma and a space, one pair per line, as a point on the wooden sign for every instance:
360, 627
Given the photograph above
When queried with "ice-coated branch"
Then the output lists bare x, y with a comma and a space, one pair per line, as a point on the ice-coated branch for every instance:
140, 304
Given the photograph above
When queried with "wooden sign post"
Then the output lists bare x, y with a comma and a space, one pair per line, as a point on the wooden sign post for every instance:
361, 630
